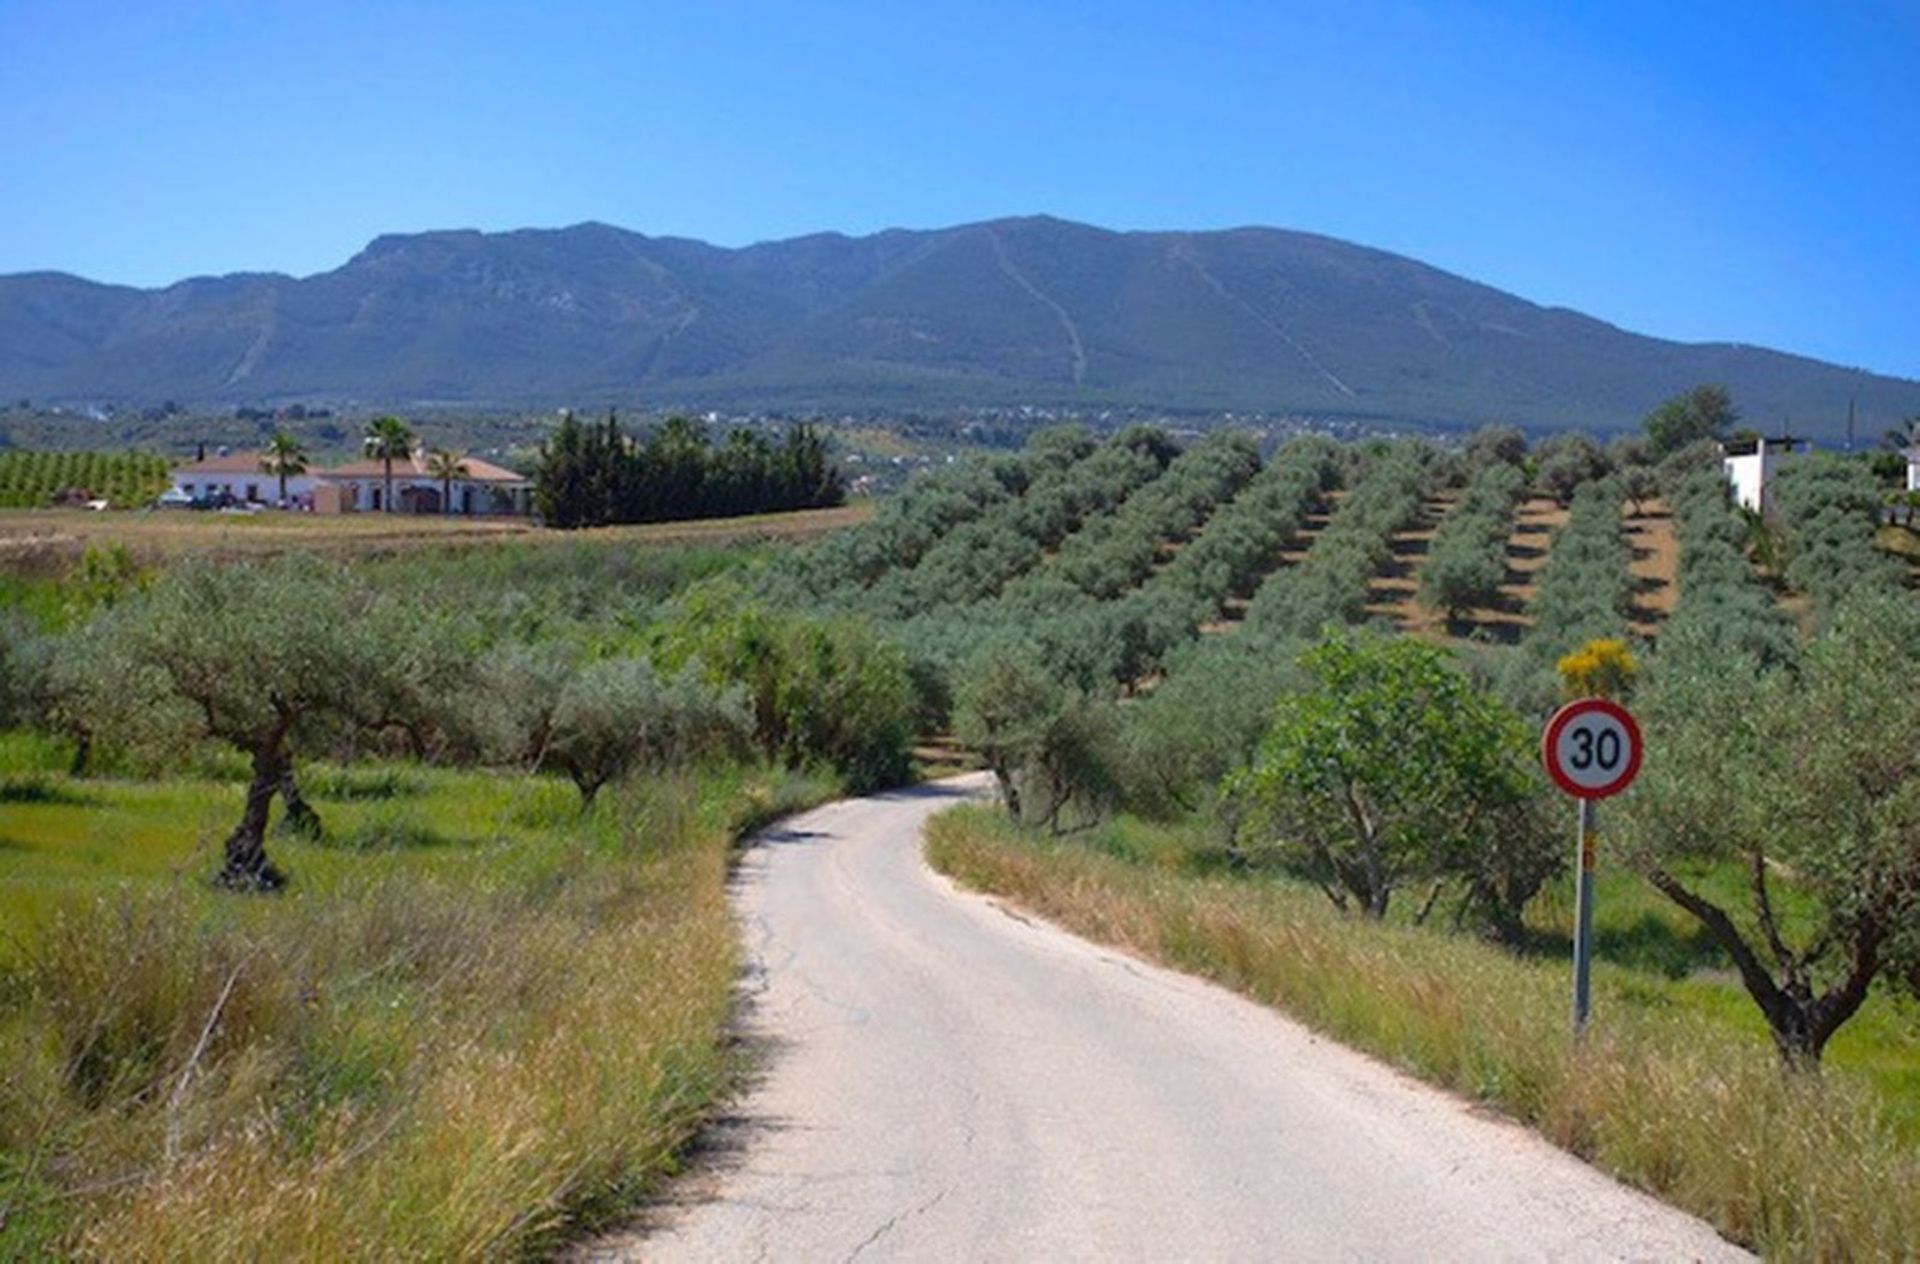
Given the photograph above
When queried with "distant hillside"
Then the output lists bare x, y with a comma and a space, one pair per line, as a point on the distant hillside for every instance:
1027, 311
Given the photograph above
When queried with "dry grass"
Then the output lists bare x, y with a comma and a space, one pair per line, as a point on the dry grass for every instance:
1668, 1101
476, 1051
45, 541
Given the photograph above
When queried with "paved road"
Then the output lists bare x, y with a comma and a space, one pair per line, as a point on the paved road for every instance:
950, 1081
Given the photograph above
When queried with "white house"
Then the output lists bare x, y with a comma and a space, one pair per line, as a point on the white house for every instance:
240, 477
481, 489
1913, 469
1751, 467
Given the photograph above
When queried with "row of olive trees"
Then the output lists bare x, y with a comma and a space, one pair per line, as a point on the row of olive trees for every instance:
1101, 645
977, 558
1467, 562
1113, 553
931, 505
1331, 584
1831, 507
297, 659
1585, 590
1725, 609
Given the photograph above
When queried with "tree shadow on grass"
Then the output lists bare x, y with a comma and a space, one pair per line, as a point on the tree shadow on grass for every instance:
1648, 943
39, 788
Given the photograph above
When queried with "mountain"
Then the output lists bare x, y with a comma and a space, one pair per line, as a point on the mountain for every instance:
1021, 311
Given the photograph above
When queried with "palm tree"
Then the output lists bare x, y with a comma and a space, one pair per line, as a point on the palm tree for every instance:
446, 465
284, 456
387, 439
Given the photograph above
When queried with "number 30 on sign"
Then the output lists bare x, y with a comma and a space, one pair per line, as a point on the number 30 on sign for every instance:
1591, 748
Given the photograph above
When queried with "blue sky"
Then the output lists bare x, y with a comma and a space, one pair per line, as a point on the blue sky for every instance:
1694, 170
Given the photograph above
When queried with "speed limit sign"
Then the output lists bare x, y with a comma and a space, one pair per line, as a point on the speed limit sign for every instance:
1591, 748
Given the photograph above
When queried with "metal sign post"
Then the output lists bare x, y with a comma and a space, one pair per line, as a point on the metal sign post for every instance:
1583, 921
1591, 749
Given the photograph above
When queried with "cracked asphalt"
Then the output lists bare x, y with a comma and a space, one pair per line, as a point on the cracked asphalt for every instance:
948, 1081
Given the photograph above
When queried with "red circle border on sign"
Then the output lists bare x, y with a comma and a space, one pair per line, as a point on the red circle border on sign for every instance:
1567, 715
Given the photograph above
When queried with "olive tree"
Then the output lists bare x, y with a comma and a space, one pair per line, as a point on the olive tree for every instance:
257, 657
1806, 782
1389, 766
1050, 746
620, 714
1495, 445
1566, 461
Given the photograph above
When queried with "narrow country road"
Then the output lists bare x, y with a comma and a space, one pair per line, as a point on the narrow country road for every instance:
950, 1081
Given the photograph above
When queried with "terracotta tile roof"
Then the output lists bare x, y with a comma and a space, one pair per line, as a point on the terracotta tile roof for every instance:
478, 471
247, 462
415, 466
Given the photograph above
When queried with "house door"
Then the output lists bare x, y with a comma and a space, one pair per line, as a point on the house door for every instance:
466, 500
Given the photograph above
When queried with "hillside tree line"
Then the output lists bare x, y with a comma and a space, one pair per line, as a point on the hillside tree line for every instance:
592, 475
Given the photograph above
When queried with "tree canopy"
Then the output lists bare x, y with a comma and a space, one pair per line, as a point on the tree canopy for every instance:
591, 475
1705, 412
1387, 766
1808, 781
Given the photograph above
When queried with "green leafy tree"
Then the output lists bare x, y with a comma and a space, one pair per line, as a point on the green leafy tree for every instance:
1705, 412
1795, 780
386, 440
1388, 767
284, 457
818, 690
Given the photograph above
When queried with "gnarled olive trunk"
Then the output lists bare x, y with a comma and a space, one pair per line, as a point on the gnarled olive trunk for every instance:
300, 818
247, 867
1800, 1017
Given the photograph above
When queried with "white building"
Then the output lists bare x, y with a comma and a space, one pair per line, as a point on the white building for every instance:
1751, 469
481, 489
238, 477
1913, 469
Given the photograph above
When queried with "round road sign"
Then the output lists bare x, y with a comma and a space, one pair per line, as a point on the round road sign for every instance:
1591, 748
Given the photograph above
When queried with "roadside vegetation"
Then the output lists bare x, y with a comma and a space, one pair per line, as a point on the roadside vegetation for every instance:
1213, 742
1766, 868
379, 909
1671, 1090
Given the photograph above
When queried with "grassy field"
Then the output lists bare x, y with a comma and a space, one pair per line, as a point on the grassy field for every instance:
1674, 1090
476, 1024
43, 540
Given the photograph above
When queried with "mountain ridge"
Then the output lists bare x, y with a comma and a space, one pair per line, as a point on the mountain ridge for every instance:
1031, 310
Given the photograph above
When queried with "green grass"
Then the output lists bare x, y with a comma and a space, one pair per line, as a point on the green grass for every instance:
1675, 1088
477, 1023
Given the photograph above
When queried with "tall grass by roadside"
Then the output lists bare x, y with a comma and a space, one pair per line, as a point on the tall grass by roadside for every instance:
1669, 1101
476, 1049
